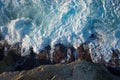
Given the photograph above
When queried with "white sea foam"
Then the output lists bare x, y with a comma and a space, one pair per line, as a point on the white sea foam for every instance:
38, 23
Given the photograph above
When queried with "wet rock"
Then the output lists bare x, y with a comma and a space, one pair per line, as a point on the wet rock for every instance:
70, 54
83, 52
114, 61
5, 64
25, 63
114, 70
12, 54
59, 54
43, 59
9, 60
94, 36
115, 58
32, 53
15, 54
47, 51
3, 48
87, 52
1, 52
1, 36
44, 56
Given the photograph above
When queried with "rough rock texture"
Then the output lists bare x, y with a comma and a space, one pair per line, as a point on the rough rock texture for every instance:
79, 70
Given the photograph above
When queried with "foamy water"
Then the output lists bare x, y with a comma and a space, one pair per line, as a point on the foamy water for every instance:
38, 23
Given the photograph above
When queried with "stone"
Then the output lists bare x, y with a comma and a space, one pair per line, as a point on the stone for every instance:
80, 51
88, 71
59, 54
32, 53
44, 56
83, 52
1, 52
115, 58
79, 70
70, 54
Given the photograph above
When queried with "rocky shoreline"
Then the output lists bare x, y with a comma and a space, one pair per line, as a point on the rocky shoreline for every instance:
11, 59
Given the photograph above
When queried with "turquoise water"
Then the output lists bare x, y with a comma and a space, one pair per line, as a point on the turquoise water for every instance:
38, 23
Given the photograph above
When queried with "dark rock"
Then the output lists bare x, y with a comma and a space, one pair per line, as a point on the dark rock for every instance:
70, 55
15, 54
32, 53
114, 62
25, 63
43, 59
93, 36
48, 48
115, 58
86, 50
59, 54
3, 46
115, 71
44, 56
47, 51
83, 52
1, 52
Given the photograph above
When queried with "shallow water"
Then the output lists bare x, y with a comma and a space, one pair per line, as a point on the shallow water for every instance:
38, 23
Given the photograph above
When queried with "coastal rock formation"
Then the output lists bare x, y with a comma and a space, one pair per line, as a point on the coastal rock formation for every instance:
83, 52
59, 54
44, 55
11, 60
71, 54
79, 70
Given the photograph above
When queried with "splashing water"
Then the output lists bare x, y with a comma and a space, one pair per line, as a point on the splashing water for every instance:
38, 23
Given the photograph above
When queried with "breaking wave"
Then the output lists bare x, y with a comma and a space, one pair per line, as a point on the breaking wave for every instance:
38, 23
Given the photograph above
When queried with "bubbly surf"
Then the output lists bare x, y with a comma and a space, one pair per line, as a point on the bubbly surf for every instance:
38, 23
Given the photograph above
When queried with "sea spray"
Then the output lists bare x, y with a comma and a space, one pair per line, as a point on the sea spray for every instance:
38, 23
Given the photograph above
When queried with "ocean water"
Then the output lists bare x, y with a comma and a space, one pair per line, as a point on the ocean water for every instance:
38, 23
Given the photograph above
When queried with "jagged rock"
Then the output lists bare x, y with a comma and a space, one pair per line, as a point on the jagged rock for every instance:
44, 56
43, 59
32, 53
70, 54
59, 54
1, 52
9, 59
80, 70
115, 58
3, 46
83, 52
25, 63
114, 71
80, 51
14, 53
